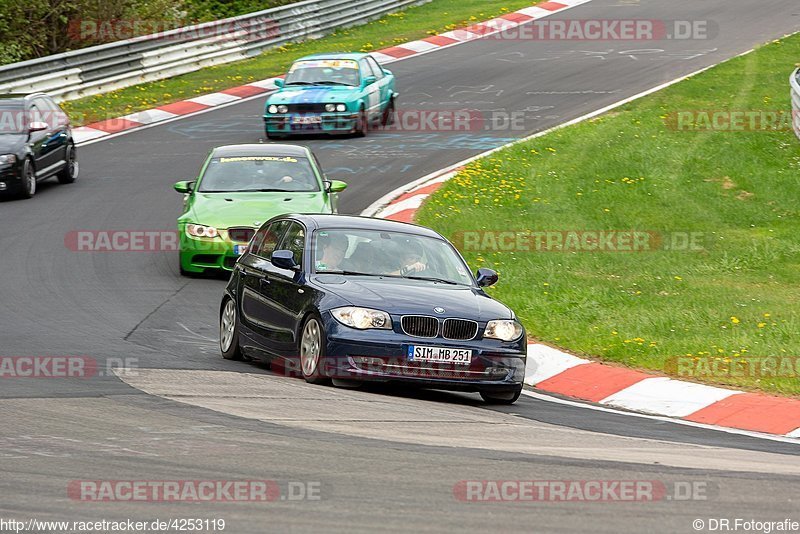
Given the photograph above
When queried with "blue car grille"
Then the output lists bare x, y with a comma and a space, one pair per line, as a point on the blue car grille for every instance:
426, 326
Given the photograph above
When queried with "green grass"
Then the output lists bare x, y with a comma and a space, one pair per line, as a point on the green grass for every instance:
416, 22
738, 296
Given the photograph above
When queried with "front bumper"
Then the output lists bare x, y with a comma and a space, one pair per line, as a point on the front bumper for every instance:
381, 355
335, 122
10, 178
199, 254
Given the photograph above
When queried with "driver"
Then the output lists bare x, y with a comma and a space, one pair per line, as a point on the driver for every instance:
411, 260
333, 248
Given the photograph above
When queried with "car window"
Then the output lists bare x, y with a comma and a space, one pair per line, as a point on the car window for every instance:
258, 173
366, 70
295, 240
391, 254
323, 71
13, 118
376, 69
36, 114
266, 239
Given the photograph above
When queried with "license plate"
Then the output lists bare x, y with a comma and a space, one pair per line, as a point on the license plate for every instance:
419, 353
306, 119
239, 249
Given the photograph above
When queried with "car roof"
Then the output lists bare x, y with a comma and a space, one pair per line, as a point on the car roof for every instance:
336, 55
352, 222
18, 98
260, 149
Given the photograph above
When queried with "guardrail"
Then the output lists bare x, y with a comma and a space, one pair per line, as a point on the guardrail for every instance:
111, 66
794, 81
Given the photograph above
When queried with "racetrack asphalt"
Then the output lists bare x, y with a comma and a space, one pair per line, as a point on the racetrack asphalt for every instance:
385, 459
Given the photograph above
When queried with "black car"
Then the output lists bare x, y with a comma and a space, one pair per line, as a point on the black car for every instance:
35, 143
357, 299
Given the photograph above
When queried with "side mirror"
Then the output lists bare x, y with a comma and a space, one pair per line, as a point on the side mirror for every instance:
283, 259
387, 72
38, 126
335, 186
368, 80
183, 187
486, 277
278, 82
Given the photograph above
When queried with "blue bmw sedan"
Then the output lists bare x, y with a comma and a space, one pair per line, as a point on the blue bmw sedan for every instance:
354, 299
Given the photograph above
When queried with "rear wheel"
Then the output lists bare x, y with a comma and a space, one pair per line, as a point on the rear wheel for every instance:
69, 173
28, 186
229, 332
497, 397
312, 350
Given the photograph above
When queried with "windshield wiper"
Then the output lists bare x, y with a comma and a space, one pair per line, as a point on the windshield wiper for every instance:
433, 279
299, 83
332, 82
354, 273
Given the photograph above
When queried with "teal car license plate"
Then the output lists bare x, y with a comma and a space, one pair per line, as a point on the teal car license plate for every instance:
422, 353
306, 119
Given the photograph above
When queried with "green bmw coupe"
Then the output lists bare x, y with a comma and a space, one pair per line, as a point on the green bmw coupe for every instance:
240, 187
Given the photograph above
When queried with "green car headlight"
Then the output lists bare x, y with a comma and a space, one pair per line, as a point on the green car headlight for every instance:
341, 107
272, 109
362, 318
199, 230
503, 329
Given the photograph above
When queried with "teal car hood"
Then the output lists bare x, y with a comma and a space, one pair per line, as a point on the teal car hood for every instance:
224, 210
314, 95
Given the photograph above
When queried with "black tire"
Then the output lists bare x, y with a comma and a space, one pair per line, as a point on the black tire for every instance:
388, 114
69, 173
28, 186
497, 397
229, 331
362, 127
311, 370
275, 137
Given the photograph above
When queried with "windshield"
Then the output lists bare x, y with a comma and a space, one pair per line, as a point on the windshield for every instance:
324, 72
259, 173
393, 254
12, 118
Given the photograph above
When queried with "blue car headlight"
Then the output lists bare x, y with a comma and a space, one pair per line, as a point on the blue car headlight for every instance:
503, 329
362, 318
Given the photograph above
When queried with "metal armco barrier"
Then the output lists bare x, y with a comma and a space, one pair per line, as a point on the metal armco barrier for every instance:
111, 66
794, 81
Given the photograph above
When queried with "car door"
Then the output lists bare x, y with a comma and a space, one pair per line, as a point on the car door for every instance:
55, 140
257, 314
38, 140
384, 85
287, 292
371, 91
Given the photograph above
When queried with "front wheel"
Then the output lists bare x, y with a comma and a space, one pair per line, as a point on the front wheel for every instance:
229, 332
312, 351
363, 123
496, 397
28, 186
69, 173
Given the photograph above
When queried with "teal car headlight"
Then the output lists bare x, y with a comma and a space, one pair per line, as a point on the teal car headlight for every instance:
330, 107
362, 318
280, 108
341, 107
199, 230
272, 109
503, 329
